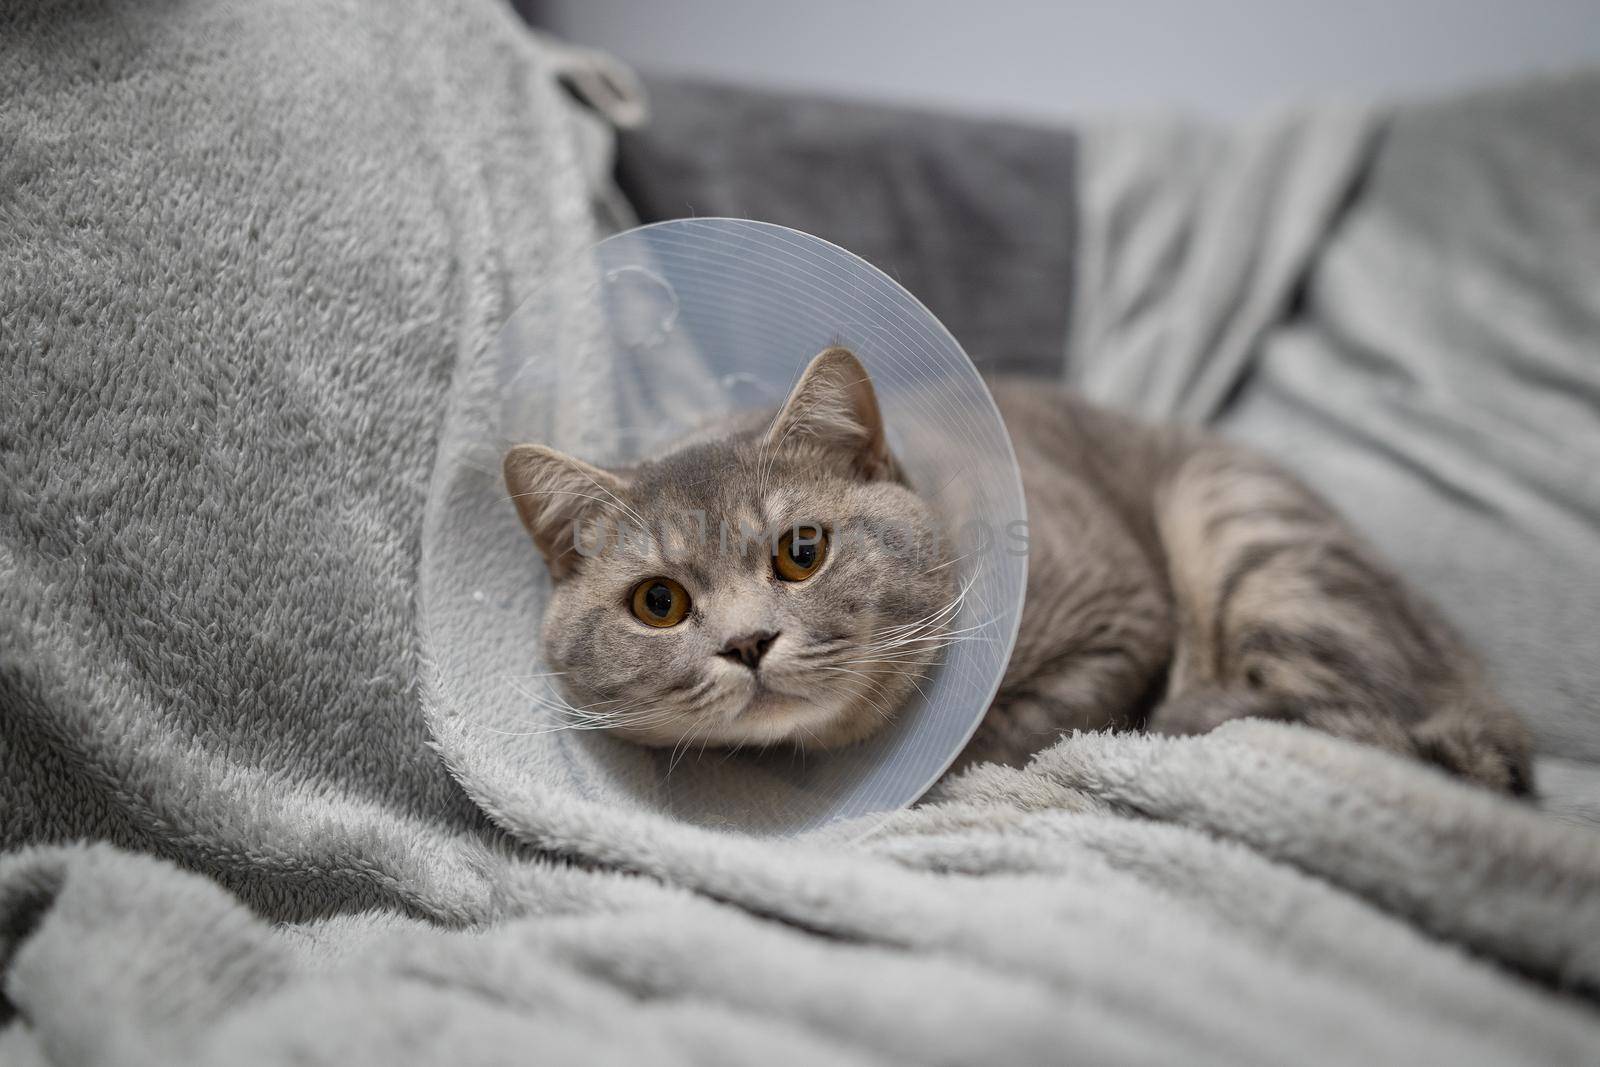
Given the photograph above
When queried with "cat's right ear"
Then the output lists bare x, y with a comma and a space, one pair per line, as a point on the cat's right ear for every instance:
834, 405
555, 495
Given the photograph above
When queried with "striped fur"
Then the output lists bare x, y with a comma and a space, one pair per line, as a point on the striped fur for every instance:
1177, 581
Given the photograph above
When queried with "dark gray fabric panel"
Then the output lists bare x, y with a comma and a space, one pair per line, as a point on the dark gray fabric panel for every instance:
975, 217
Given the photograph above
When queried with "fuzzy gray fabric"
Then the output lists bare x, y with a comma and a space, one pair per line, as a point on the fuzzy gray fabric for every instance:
249, 257
1123, 900
243, 250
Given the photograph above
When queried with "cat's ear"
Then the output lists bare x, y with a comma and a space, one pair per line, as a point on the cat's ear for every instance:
834, 404
555, 495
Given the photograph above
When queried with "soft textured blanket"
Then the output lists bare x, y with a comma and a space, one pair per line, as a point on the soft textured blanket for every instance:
251, 258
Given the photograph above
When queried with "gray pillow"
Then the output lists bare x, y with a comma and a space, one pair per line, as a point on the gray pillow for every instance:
975, 217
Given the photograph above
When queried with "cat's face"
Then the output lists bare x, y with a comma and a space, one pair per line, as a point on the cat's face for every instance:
791, 590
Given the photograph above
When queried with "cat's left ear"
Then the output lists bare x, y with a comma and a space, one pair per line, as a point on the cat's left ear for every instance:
555, 496
835, 405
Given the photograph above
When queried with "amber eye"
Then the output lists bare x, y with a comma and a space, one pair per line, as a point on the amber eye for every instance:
660, 602
800, 552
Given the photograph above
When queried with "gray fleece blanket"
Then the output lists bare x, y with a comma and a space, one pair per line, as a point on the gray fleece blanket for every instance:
251, 260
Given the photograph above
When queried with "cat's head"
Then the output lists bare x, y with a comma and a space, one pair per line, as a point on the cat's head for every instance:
776, 582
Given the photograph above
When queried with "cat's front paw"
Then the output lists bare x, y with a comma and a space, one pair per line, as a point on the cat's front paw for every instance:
1201, 710
1489, 753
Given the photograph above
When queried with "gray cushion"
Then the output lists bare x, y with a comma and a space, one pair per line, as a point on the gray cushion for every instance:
974, 217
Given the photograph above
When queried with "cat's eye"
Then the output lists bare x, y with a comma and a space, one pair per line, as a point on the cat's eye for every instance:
800, 552
660, 602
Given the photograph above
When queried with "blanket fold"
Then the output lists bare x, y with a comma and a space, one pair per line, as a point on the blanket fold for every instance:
1197, 896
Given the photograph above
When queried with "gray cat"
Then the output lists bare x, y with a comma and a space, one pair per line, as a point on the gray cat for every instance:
796, 590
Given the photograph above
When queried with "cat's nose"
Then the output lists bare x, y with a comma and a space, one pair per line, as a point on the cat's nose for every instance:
750, 648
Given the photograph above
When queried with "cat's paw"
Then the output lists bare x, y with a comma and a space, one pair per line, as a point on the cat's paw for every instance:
1199, 711
1478, 744
1487, 752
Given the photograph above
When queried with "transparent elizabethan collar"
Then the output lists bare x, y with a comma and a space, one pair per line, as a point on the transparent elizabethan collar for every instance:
692, 320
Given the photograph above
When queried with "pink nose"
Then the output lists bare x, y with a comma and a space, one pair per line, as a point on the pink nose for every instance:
750, 648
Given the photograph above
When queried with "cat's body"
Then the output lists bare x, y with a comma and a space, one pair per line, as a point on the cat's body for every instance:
1175, 581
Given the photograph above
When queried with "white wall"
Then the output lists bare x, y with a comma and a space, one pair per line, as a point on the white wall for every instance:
1226, 58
